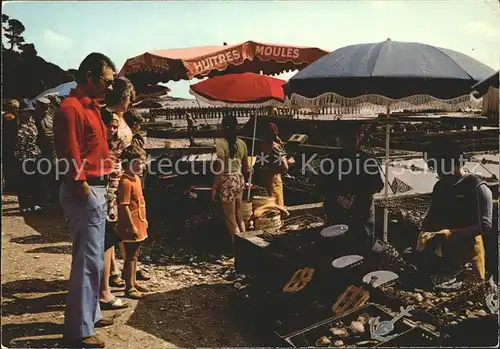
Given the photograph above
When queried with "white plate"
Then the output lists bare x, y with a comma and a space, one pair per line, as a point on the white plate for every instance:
346, 261
334, 230
383, 277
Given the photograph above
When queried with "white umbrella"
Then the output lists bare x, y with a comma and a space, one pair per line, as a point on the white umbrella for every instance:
61, 90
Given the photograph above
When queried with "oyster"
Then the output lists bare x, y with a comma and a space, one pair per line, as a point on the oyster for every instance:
338, 343
481, 312
426, 304
418, 290
357, 327
339, 332
323, 342
366, 343
363, 318
293, 227
418, 297
469, 303
475, 313
429, 295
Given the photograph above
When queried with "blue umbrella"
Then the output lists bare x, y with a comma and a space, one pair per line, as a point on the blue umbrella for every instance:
62, 90
391, 74
481, 88
391, 70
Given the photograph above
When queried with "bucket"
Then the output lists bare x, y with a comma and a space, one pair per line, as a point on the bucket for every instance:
259, 201
271, 221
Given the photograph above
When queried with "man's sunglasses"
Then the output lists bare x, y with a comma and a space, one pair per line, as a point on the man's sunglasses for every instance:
107, 82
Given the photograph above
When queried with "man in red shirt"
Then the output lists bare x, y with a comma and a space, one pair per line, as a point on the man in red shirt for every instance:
82, 150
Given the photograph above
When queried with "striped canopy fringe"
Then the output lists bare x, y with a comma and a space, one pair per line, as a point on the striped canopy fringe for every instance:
378, 104
268, 103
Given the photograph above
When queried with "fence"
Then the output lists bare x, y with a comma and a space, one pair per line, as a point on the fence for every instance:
219, 112
205, 113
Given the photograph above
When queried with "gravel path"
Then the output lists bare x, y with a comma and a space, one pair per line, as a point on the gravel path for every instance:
190, 304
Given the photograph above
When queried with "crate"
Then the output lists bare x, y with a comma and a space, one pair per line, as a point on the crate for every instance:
407, 335
473, 288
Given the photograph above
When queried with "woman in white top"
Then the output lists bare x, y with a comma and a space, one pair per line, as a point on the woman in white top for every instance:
118, 101
231, 170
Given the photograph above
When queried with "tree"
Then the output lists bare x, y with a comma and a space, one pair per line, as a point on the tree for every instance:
25, 74
28, 50
14, 32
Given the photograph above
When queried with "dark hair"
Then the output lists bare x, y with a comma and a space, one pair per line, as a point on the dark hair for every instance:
442, 149
132, 117
121, 88
270, 133
229, 124
131, 153
106, 116
93, 63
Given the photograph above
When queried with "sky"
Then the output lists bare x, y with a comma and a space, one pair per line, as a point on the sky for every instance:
65, 32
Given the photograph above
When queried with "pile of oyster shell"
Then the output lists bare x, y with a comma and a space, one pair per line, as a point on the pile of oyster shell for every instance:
341, 332
420, 298
300, 226
469, 310
428, 300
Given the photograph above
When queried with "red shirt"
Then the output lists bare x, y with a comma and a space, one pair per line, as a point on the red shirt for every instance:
81, 137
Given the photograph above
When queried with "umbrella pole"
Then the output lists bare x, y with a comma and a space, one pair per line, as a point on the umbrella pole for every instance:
253, 152
386, 186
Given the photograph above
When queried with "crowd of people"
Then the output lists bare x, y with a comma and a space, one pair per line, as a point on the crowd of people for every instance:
28, 152
99, 186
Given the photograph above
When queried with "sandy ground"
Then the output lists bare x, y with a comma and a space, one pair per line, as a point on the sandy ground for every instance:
190, 304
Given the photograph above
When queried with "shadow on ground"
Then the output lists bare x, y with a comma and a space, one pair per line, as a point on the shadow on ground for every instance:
12, 288
22, 306
24, 335
50, 225
61, 249
182, 317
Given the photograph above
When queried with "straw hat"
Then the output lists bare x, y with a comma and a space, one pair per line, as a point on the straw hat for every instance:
11, 105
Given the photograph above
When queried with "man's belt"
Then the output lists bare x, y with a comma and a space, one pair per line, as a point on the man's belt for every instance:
98, 180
